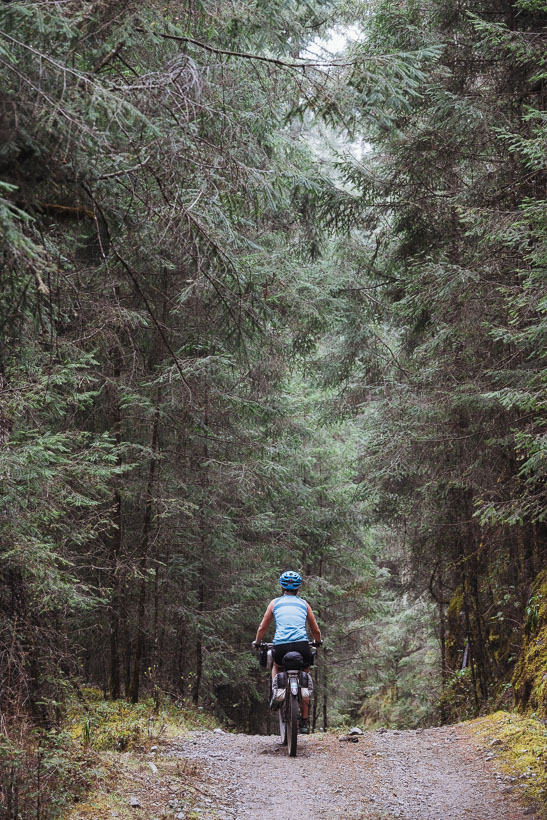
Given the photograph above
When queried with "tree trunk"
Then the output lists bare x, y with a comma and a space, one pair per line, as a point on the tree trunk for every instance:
199, 648
325, 690
134, 684
116, 539
114, 682
470, 641
204, 559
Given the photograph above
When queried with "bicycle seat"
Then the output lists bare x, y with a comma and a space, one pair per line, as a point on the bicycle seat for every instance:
293, 660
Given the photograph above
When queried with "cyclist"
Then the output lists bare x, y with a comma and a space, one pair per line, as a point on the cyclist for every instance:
291, 614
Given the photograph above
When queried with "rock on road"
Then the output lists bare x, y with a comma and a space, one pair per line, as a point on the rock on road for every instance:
430, 774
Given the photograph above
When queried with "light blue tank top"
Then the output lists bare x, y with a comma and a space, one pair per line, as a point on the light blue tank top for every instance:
290, 613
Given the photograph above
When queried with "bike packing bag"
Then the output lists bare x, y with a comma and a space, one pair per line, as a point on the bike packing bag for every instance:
293, 660
306, 684
279, 685
263, 656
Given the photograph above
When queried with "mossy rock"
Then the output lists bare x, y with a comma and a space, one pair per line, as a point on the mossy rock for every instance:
530, 678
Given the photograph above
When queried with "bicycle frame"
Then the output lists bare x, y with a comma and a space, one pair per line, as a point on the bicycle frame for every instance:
290, 709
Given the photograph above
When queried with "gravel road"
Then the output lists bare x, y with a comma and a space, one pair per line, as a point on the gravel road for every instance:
430, 774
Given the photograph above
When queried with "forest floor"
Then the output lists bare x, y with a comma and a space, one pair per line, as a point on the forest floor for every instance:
445, 773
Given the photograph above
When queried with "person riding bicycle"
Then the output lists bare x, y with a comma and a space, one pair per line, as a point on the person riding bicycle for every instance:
291, 614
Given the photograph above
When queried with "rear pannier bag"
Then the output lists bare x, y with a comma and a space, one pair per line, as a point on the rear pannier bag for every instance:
265, 657
306, 684
279, 685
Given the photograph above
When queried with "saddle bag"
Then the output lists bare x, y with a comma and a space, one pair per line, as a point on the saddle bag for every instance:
293, 660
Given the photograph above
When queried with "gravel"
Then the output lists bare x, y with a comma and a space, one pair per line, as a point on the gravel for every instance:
430, 774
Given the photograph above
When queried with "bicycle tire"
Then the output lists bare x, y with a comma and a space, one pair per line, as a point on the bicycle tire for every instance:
293, 725
283, 723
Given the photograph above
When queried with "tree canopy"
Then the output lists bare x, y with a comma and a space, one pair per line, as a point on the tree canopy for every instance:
264, 307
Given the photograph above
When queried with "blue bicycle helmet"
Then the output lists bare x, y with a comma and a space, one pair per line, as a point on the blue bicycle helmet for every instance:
290, 580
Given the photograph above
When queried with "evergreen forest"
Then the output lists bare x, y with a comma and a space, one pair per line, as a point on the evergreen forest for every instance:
272, 296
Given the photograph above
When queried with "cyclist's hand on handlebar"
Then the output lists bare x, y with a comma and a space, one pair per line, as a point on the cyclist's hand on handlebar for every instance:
256, 644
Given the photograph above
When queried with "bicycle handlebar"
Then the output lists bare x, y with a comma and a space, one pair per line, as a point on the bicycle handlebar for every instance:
262, 644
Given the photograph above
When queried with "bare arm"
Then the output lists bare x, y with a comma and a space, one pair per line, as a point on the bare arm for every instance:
266, 621
312, 623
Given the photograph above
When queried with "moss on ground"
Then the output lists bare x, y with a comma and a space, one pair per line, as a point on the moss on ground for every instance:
520, 745
530, 677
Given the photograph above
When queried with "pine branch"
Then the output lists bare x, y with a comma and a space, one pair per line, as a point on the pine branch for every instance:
249, 56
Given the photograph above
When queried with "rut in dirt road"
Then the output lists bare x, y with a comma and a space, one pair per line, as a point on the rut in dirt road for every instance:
431, 774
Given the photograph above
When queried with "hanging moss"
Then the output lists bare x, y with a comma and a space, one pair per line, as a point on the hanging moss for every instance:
530, 678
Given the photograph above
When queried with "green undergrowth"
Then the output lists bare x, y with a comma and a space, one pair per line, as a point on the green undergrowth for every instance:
130, 742
520, 746
51, 771
459, 699
119, 725
42, 771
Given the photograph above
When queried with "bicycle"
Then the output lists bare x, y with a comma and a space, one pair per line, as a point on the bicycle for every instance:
290, 707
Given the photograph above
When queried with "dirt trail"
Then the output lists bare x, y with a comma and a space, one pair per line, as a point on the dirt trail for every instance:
431, 774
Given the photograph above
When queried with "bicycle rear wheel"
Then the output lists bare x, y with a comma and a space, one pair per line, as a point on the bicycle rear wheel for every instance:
292, 727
